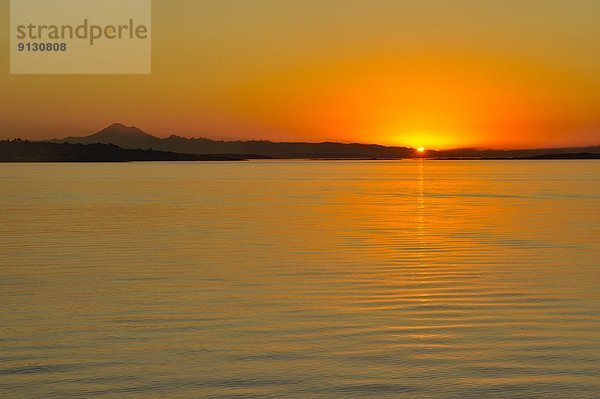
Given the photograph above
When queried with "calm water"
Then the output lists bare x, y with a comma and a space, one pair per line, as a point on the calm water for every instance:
300, 280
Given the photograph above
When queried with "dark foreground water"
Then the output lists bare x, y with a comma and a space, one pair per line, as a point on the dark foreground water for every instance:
300, 280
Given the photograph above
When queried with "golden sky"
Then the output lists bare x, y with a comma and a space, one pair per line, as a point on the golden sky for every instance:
439, 74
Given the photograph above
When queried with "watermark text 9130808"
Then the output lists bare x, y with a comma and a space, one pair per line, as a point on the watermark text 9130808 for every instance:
80, 36
41, 46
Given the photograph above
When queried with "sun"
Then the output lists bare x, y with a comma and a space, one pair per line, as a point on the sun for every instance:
421, 149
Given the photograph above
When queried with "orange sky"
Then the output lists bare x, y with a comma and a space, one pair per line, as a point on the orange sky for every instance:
428, 73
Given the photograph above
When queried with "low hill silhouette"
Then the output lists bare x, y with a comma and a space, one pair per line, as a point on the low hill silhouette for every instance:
29, 151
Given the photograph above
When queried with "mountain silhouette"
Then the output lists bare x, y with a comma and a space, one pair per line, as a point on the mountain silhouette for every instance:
119, 135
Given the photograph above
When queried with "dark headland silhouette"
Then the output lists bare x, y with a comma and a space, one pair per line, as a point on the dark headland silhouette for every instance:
119, 143
31, 151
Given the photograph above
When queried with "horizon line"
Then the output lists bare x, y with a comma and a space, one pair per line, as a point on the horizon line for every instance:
429, 149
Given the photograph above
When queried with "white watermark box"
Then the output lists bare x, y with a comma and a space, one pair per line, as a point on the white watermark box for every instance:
80, 36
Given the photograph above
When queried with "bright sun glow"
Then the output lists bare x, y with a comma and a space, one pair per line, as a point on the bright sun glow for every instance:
427, 139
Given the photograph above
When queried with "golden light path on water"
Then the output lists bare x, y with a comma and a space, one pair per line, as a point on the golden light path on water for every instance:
300, 279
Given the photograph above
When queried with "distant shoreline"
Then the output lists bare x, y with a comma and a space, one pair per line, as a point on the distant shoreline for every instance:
22, 151
131, 137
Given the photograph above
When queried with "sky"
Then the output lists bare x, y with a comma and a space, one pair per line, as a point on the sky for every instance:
439, 74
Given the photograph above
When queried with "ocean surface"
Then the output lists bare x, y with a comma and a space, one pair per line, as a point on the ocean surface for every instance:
300, 279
